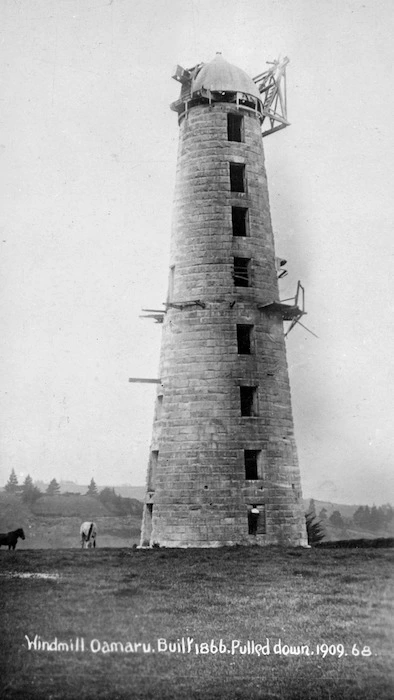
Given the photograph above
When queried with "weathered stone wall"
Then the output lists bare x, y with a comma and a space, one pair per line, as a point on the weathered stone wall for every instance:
197, 494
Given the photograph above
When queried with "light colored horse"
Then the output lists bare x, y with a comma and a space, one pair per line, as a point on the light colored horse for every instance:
88, 532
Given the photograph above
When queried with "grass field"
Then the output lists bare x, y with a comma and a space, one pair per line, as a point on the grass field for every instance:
341, 600
55, 533
53, 522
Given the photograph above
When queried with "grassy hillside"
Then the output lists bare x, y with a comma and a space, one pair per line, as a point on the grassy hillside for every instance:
263, 624
84, 507
54, 521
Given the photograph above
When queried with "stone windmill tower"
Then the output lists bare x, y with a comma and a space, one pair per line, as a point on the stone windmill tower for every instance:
223, 465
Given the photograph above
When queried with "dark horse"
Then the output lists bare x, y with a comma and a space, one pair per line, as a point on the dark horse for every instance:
11, 538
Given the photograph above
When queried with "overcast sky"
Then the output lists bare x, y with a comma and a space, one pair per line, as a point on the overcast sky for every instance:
88, 148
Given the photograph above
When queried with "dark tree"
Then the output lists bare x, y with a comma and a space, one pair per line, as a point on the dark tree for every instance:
119, 505
92, 489
323, 514
358, 516
108, 496
336, 519
53, 488
388, 513
30, 493
12, 483
376, 518
27, 484
314, 528
362, 517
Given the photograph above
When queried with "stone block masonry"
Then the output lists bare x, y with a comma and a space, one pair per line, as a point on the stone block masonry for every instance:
222, 438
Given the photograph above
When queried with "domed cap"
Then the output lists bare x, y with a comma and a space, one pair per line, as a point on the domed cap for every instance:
220, 76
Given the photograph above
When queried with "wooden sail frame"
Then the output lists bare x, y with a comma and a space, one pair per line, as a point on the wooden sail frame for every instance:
272, 87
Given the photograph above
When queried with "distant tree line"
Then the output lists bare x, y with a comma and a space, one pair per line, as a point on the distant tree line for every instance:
27, 490
372, 518
30, 493
366, 518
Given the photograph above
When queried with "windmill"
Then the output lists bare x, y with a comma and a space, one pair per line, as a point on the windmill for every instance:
223, 466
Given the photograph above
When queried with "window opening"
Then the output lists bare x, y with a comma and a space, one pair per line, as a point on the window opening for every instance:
251, 458
237, 177
244, 339
239, 221
241, 272
147, 527
159, 406
154, 458
248, 400
170, 295
235, 127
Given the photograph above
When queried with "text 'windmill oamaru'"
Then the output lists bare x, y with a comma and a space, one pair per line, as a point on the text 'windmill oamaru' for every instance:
223, 465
